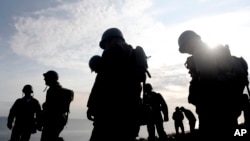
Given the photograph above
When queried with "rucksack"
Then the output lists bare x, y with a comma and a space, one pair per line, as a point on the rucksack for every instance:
67, 97
229, 69
141, 64
232, 67
240, 71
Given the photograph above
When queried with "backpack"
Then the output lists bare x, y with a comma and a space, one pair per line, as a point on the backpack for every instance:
229, 69
67, 97
240, 71
233, 68
141, 65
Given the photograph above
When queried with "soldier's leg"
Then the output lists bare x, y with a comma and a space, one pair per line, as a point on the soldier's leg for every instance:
151, 131
160, 130
15, 134
25, 137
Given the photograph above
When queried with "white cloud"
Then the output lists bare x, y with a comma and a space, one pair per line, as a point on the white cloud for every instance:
68, 35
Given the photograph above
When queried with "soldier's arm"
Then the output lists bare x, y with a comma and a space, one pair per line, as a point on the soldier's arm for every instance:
164, 108
12, 114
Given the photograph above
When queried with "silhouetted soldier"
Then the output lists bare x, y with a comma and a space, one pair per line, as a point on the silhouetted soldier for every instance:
55, 108
27, 114
191, 118
178, 120
158, 107
115, 96
218, 81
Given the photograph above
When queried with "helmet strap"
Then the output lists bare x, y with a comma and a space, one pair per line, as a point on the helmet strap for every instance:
45, 88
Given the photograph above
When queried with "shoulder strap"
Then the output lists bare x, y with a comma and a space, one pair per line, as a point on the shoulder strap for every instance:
248, 91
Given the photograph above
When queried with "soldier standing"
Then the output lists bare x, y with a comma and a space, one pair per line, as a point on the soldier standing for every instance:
55, 108
27, 114
115, 96
158, 107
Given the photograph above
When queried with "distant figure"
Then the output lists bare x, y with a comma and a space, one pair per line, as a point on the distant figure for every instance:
113, 103
217, 83
158, 107
191, 118
178, 120
27, 114
56, 107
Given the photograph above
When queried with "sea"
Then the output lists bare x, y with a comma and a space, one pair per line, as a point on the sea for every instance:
75, 130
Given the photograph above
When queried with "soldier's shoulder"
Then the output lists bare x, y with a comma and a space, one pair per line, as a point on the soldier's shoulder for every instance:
67, 90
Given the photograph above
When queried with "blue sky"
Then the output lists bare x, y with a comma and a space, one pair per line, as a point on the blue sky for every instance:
37, 36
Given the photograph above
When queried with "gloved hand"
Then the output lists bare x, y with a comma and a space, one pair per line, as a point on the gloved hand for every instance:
90, 114
166, 118
9, 125
39, 128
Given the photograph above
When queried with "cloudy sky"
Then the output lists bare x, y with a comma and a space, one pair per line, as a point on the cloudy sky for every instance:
37, 36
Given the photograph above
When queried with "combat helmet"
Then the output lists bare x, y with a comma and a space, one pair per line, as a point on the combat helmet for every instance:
95, 63
27, 89
110, 33
52, 75
184, 38
148, 87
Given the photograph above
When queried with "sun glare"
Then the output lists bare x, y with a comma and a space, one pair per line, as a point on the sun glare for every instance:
236, 43
211, 40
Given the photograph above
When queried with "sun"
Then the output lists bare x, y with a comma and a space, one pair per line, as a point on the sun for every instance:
211, 40
236, 38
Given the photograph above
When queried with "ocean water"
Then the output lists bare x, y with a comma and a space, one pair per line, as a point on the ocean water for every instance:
76, 130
